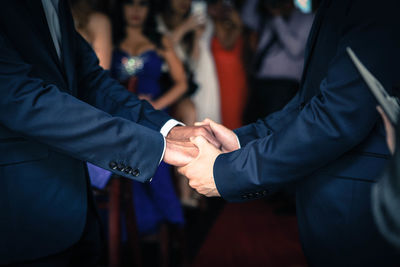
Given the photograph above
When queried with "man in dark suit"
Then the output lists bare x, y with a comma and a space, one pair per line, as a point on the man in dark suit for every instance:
58, 110
328, 141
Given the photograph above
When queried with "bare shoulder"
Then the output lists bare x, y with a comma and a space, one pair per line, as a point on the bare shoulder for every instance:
99, 22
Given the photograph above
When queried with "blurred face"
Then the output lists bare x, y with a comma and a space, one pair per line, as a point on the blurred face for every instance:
181, 7
135, 12
219, 9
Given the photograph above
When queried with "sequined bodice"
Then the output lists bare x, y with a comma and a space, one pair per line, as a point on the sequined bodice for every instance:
146, 67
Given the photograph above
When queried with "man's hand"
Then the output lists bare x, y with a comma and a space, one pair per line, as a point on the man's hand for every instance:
390, 131
184, 133
227, 138
179, 153
200, 170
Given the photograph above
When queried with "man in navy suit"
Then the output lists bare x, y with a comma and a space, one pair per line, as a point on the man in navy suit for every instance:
328, 141
58, 110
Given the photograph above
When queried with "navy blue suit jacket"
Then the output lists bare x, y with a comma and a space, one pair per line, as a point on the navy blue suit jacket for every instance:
328, 141
55, 115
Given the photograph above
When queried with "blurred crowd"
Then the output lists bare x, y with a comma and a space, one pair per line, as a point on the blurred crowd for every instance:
233, 61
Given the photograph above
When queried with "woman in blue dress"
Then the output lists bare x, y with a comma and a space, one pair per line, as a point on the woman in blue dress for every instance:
138, 59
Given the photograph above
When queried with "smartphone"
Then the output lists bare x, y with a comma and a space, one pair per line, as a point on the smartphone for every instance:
305, 6
199, 8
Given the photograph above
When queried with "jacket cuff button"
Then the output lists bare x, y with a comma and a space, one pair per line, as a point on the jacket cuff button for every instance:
113, 165
121, 167
128, 170
135, 172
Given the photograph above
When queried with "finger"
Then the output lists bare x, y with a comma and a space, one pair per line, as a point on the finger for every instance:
218, 130
210, 138
379, 109
200, 123
206, 121
182, 171
383, 115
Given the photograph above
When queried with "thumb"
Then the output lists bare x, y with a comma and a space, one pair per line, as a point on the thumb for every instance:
206, 121
200, 124
218, 129
199, 141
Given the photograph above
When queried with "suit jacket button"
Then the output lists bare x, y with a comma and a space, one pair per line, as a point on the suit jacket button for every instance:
302, 105
128, 170
135, 172
113, 165
121, 167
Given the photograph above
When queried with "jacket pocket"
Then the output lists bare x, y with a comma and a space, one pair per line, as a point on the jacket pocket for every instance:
20, 150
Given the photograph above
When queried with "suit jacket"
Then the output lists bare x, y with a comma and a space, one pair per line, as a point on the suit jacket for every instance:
328, 141
54, 116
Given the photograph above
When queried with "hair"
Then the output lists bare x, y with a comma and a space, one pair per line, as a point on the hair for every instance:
165, 9
165, 6
271, 3
81, 11
236, 4
149, 26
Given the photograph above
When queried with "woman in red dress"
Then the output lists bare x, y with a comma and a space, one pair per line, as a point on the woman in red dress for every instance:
227, 48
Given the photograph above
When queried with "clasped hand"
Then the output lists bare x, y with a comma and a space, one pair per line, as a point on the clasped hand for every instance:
194, 149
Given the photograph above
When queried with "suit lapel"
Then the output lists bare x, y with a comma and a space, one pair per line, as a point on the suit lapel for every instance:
38, 17
312, 40
67, 29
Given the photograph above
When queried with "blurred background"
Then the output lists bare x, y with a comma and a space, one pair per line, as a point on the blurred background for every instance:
231, 61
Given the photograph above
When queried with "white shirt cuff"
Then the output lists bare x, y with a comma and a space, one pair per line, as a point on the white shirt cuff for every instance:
169, 125
165, 131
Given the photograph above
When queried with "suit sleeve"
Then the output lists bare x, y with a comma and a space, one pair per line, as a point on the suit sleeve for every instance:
292, 144
41, 112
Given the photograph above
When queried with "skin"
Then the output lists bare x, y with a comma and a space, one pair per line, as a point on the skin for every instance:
179, 151
390, 131
98, 33
180, 25
200, 170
